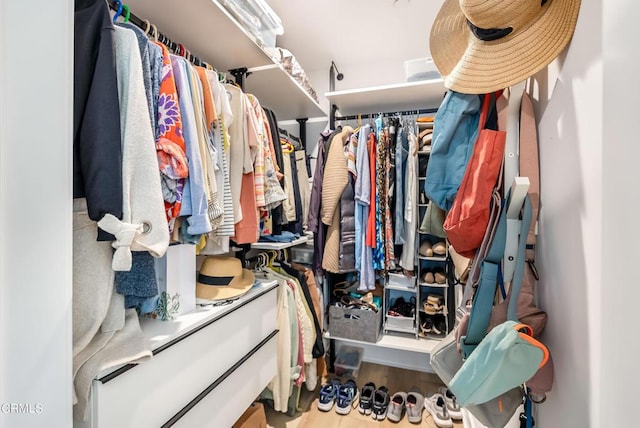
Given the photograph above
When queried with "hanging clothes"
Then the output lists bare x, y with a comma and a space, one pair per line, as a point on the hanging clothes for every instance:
407, 260
194, 202
97, 151
335, 180
364, 253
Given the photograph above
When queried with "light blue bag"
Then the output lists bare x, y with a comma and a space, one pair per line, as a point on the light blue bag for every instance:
455, 130
508, 356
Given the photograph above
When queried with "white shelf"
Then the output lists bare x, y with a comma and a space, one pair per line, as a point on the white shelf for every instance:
422, 94
278, 245
397, 342
272, 85
434, 285
401, 288
434, 258
211, 33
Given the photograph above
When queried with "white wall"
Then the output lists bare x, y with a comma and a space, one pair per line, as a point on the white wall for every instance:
588, 157
36, 87
620, 290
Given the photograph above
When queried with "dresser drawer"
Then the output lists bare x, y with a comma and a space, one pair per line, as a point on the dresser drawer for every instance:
151, 393
227, 398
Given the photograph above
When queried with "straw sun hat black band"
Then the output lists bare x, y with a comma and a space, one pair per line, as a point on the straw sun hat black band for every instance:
489, 34
214, 280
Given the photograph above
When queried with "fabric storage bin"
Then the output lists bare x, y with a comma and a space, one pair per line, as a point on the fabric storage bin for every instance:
420, 69
348, 360
257, 18
355, 324
397, 280
400, 322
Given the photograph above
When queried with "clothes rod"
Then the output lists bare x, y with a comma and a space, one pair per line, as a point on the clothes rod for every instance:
387, 114
173, 46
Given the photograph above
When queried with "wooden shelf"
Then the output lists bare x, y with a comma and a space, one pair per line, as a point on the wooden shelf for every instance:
423, 94
211, 33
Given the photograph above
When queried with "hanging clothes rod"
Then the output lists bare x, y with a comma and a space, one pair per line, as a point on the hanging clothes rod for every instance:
173, 46
388, 114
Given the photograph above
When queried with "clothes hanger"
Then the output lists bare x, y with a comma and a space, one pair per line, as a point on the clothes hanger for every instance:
127, 14
147, 26
118, 11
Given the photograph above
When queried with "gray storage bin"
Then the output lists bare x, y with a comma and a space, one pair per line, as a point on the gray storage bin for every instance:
355, 324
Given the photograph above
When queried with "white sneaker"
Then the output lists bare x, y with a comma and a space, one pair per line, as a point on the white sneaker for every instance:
437, 407
455, 412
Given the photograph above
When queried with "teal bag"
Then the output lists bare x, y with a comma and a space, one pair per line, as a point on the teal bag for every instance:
508, 356
455, 130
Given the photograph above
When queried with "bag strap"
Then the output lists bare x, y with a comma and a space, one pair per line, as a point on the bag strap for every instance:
518, 274
529, 165
485, 293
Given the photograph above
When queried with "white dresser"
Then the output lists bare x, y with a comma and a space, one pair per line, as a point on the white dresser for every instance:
207, 368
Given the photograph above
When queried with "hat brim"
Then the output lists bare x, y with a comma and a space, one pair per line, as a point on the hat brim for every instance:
237, 287
472, 66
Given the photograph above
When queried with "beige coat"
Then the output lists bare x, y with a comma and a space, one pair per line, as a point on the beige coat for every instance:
336, 178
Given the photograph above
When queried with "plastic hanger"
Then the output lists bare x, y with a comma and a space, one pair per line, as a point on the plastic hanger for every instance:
127, 14
147, 26
118, 11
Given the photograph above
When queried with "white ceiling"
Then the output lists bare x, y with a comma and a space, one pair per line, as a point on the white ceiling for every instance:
355, 32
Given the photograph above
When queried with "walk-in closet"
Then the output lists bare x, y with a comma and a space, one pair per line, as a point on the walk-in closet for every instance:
266, 213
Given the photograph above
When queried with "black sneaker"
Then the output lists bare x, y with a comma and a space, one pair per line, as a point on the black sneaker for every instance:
366, 398
380, 403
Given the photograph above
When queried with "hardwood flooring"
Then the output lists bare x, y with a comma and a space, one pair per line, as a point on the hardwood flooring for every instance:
395, 379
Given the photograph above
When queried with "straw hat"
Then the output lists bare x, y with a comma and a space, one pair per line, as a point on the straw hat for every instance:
481, 46
223, 277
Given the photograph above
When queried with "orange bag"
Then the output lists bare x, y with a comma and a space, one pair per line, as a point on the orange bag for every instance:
468, 218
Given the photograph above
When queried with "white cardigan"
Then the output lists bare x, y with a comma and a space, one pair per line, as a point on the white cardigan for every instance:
144, 224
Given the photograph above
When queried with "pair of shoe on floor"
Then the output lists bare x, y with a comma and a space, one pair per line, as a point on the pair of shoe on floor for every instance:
376, 402
344, 395
443, 408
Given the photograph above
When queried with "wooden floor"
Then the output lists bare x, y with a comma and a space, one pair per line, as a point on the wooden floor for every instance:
395, 379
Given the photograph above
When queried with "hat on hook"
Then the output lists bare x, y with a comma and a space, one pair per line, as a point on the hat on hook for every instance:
223, 277
481, 46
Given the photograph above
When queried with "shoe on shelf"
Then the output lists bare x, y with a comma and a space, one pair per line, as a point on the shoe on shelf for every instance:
440, 277
426, 326
452, 405
439, 326
380, 403
437, 407
425, 249
433, 304
429, 278
327, 396
439, 248
414, 405
366, 398
346, 396
396, 409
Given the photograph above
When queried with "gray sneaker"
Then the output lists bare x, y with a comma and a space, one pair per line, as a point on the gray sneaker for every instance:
396, 409
452, 405
437, 407
414, 405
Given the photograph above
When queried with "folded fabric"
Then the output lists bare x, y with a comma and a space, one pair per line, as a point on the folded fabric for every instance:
505, 358
138, 284
286, 236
